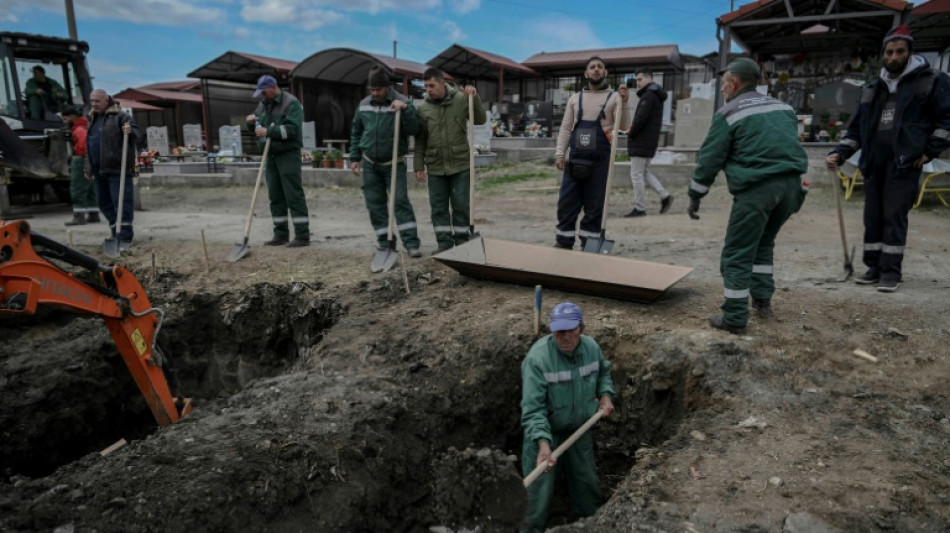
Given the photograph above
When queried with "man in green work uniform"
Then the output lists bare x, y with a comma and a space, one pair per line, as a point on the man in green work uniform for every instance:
754, 140
279, 117
442, 150
371, 150
43, 94
565, 380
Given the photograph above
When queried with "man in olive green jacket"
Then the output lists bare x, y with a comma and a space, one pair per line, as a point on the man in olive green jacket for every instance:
442, 149
565, 380
279, 117
754, 140
371, 153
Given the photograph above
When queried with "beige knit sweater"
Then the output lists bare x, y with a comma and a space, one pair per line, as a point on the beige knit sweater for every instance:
592, 102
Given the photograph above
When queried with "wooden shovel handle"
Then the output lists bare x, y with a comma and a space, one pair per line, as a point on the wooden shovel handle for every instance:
392, 178
538, 470
471, 160
618, 114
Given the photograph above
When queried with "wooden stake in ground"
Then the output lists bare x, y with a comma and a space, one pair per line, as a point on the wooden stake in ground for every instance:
69, 238
154, 273
405, 277
204, 246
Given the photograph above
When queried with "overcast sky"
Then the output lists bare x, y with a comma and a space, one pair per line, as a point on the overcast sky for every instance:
136, 42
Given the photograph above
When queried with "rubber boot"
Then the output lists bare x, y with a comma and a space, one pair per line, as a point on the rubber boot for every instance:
78, 220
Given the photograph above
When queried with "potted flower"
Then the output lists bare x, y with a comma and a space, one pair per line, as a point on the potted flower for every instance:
317, 158
337, 157
328, 159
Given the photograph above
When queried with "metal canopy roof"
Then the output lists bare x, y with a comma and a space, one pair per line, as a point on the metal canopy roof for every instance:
470, 63
347, 65
144, 94
243, 68
562, 64
808, 26
930, 25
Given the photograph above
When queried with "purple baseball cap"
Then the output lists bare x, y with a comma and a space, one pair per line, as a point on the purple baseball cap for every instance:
565, 317
264, 82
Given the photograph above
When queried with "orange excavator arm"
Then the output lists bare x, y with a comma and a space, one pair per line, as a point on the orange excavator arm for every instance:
29, 280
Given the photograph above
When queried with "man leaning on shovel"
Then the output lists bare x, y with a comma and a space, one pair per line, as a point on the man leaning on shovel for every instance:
371, 152
565, 380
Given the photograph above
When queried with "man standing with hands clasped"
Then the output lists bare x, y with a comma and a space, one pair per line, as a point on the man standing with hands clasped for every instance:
588, 121
902, 122
279, 117
371, 153
442, 151
565, 380
754, 140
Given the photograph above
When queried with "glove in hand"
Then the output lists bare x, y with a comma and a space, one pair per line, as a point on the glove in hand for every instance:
693, 208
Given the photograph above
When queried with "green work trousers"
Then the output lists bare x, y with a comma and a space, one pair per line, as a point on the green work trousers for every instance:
285, 190
376, 182
448, 198
577, 466
747, 254
82, 191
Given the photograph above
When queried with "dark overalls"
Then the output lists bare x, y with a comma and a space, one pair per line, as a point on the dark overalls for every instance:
588, 193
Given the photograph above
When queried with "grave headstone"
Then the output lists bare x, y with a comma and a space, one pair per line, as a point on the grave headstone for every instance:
229, 139
192, 135
157, 138
309, 135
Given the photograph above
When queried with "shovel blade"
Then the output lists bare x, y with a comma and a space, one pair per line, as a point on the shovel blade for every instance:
599, 246
848, 267
238, 251
384, 259
110, 248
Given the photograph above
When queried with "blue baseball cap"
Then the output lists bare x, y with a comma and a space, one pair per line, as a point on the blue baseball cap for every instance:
264, 82
565, 317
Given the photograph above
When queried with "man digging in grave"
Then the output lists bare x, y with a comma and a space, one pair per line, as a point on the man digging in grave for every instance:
565, 380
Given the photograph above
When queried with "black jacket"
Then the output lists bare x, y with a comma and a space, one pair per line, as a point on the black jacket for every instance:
921, 120
110, 152
644, 134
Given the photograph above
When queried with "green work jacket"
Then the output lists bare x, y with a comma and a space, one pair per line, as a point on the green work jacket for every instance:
753, 138
561, 391
374, 125
442, 142
283, 118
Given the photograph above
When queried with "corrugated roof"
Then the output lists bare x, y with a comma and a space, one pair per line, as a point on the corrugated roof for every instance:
347, 65
745, 9
136, 105
143, 94
243, 67
183, 85
466, 62
626, 55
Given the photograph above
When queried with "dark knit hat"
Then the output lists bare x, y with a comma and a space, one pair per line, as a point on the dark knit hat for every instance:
377, 78
743, 65
71, 111
899, 32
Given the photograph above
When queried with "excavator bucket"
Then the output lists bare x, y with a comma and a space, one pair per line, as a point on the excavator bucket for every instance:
529, 264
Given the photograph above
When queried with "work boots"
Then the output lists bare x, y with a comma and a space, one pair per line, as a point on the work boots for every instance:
78, 220
763, 308
718, 322
93, 217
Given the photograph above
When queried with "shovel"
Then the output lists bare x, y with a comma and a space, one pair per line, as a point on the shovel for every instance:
240, 249
385, 258
471, 170
111, 247
538, 470
600, 245
848, 259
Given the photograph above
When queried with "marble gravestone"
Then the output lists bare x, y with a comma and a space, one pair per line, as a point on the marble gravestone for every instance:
192, 135
229, 139
309, 135
157, 138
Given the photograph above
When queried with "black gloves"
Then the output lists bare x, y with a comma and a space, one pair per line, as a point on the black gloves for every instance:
693, 208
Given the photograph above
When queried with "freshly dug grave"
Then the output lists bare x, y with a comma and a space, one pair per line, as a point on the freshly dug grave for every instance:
328, 400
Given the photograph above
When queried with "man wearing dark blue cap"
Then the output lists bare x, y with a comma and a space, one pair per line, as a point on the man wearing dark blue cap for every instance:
565, 380
902, 122
279, 117
754, 140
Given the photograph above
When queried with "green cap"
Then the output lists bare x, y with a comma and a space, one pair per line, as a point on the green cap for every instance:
743, 65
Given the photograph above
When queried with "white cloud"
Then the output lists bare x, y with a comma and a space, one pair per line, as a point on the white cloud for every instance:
241, 32
299, 13
465, 6
557, 33
452, 32
158, 12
